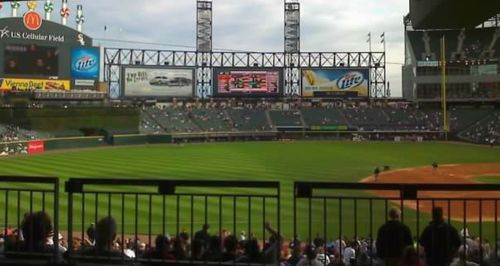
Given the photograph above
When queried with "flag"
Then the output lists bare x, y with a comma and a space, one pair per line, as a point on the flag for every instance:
369, 37
382, 37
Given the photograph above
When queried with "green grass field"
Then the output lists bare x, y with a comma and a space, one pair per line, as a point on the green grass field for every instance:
488, 179
276, 161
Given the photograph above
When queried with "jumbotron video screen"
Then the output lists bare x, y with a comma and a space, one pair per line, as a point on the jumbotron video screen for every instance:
248, 82
31, 60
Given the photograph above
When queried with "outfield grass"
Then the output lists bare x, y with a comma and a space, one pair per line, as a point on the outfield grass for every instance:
276, 161
488, 179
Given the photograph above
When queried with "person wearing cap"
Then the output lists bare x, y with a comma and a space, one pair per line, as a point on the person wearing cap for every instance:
243, 236
392, 238
440, 240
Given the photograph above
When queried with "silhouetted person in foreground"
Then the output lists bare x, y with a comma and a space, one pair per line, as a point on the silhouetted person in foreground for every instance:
105, 234
392, 238
440, 240
36, 230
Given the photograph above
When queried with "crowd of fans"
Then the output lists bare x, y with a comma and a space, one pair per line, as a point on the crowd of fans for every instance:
485, 131
10, 136
438, 244
216, 117
355, 117
265, 116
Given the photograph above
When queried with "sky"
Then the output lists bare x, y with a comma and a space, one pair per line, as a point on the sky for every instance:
249, 25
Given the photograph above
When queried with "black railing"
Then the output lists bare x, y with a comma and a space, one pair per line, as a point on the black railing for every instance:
144, 209
323, 213
355, 211
22, 199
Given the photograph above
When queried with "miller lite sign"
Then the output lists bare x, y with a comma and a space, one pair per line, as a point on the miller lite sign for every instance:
85, 63
350, 80
32, 20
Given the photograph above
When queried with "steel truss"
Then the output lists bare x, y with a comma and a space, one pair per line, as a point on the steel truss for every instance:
204, 62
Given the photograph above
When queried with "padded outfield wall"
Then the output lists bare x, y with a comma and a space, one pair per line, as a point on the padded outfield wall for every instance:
83, 121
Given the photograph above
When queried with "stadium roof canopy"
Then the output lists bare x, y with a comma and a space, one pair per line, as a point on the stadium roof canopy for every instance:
451, 14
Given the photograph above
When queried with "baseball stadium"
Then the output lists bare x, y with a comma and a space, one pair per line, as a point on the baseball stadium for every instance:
127, 154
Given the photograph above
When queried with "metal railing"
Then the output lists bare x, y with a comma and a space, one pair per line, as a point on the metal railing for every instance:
338, 212
144, 209
23, 199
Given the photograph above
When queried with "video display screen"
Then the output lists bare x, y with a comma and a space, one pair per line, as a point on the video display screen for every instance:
248, 82
31, 60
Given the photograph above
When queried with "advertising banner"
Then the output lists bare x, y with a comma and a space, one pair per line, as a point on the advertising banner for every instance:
157, 82
36, 146
16, 84
345, 82
85, 63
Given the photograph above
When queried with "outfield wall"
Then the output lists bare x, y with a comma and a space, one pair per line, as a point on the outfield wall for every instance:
73, 121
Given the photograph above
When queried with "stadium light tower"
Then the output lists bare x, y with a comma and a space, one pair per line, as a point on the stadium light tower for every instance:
292, 26
204, 26
292, 45
204, 43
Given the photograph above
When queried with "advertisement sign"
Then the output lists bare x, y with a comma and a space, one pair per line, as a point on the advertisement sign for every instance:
32, 20
85, 63
346, 82
36, 146
247, 82
329, 127
32, 28
157, 82
15, 84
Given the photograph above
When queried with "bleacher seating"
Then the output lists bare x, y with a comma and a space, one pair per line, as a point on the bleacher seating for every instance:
249, 119
173, 120
324, 116
286, 118
461, 118
148, 125
211, 120
221, 119
367, 118
485, 131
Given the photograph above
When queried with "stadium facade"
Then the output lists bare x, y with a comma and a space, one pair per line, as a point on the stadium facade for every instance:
471, 58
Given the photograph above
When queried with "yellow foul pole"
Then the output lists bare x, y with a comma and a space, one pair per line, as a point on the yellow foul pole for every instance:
443, 87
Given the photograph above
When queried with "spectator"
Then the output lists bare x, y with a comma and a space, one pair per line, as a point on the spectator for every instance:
105, 234
252, 254
463, 257
91, 233
310, 258
230, 247
272, 252
410, 257
214, 252
350, 254
392, 238
36, 228
296, 256
203, 236
440, 240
